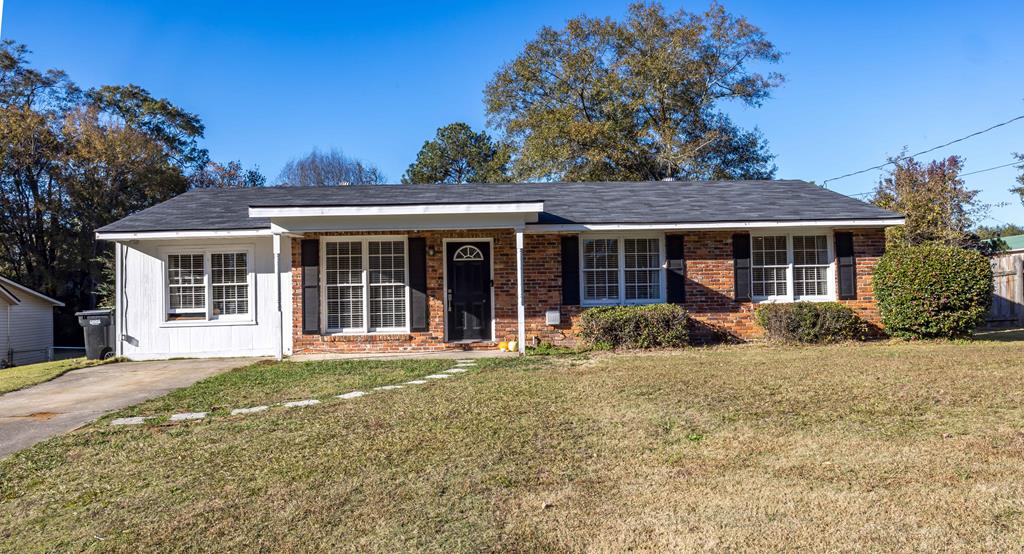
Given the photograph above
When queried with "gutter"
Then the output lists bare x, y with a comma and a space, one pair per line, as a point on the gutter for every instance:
578, 227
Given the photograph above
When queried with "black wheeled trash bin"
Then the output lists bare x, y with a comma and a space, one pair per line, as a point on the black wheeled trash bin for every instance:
98, 326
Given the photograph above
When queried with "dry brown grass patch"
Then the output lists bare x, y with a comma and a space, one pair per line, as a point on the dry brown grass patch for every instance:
877, 447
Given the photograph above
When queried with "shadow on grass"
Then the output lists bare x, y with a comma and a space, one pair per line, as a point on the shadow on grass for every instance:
1013, 334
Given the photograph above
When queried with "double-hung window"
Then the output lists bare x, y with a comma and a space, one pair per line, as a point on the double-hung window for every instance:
600, 270
787, 267
366, 285
621, 270
186, 285
229, 279
208, 285
770, 266
810, 265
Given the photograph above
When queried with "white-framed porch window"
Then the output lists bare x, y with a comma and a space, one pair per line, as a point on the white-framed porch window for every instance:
208, 284
622, 269
186, 284
365, 284
787, 267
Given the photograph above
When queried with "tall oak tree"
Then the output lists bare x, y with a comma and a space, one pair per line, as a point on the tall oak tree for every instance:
638, 99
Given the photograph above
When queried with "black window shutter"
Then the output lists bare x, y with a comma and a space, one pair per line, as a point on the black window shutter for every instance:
741, 265
675, 280
570, 271
310, 286
847, 266
418, 283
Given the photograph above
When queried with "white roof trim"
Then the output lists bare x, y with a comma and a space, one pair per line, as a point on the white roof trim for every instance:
27, 290
10, 298
575, 227
156, 235
410, 209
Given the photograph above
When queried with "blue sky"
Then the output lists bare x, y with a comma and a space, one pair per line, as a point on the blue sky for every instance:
271, 80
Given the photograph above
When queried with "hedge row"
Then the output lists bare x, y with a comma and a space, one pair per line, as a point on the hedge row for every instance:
647, 326
810, 322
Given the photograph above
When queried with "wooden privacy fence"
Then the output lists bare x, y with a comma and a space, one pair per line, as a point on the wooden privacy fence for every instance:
1008, 295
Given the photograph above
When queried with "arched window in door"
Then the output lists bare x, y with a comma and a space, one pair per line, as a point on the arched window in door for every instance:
468, 253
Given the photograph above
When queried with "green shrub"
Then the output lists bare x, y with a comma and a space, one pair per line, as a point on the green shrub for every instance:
932, 291
809, 322
648, 326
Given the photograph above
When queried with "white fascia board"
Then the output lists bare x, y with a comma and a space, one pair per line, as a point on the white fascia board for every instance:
8, 297
411, 209
163, 235
577, 227
26, 290
434, 222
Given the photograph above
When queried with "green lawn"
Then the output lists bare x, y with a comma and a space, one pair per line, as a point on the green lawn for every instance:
270, 382
877, 447
19, 377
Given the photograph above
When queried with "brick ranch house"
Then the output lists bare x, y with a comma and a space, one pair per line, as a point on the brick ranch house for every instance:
405, 268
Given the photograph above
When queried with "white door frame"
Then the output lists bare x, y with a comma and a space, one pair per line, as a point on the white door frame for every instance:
444, 285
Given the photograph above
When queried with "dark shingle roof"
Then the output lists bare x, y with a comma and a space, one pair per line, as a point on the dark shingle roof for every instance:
591, 203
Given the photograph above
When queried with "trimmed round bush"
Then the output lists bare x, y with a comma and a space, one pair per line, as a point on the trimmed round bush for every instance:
932, 291
809, 322
647, 326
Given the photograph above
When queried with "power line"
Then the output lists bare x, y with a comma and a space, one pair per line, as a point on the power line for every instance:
914, 155
1018, 162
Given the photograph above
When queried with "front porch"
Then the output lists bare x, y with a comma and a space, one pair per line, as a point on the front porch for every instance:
349, 295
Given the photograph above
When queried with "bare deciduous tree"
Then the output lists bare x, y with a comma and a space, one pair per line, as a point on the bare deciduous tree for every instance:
329, 169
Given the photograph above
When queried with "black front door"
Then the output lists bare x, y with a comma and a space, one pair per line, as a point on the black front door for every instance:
469, 290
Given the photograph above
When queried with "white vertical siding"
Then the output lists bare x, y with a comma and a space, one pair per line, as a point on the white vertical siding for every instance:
5, 313
142, 312
31, 329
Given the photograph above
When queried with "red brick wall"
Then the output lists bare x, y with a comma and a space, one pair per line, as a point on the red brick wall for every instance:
503, 253
709, 286
709, 292
542, 266
868, 247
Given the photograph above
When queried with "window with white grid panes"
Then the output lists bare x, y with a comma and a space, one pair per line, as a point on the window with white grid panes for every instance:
366, 285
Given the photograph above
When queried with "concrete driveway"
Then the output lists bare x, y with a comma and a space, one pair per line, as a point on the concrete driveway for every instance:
30, 415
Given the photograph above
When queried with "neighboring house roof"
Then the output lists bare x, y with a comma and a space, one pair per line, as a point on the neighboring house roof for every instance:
12, 288
1012, 242
675, 202
8, 296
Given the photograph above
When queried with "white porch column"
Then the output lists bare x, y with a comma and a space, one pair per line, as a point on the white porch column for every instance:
118, 305
279, 319
520, 296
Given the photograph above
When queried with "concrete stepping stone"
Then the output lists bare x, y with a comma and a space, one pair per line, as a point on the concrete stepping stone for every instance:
465, 361
139, 420
188, 416
253, 410
301, 403
456, 370
417, 382
353, 394
438, 376
388, 387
